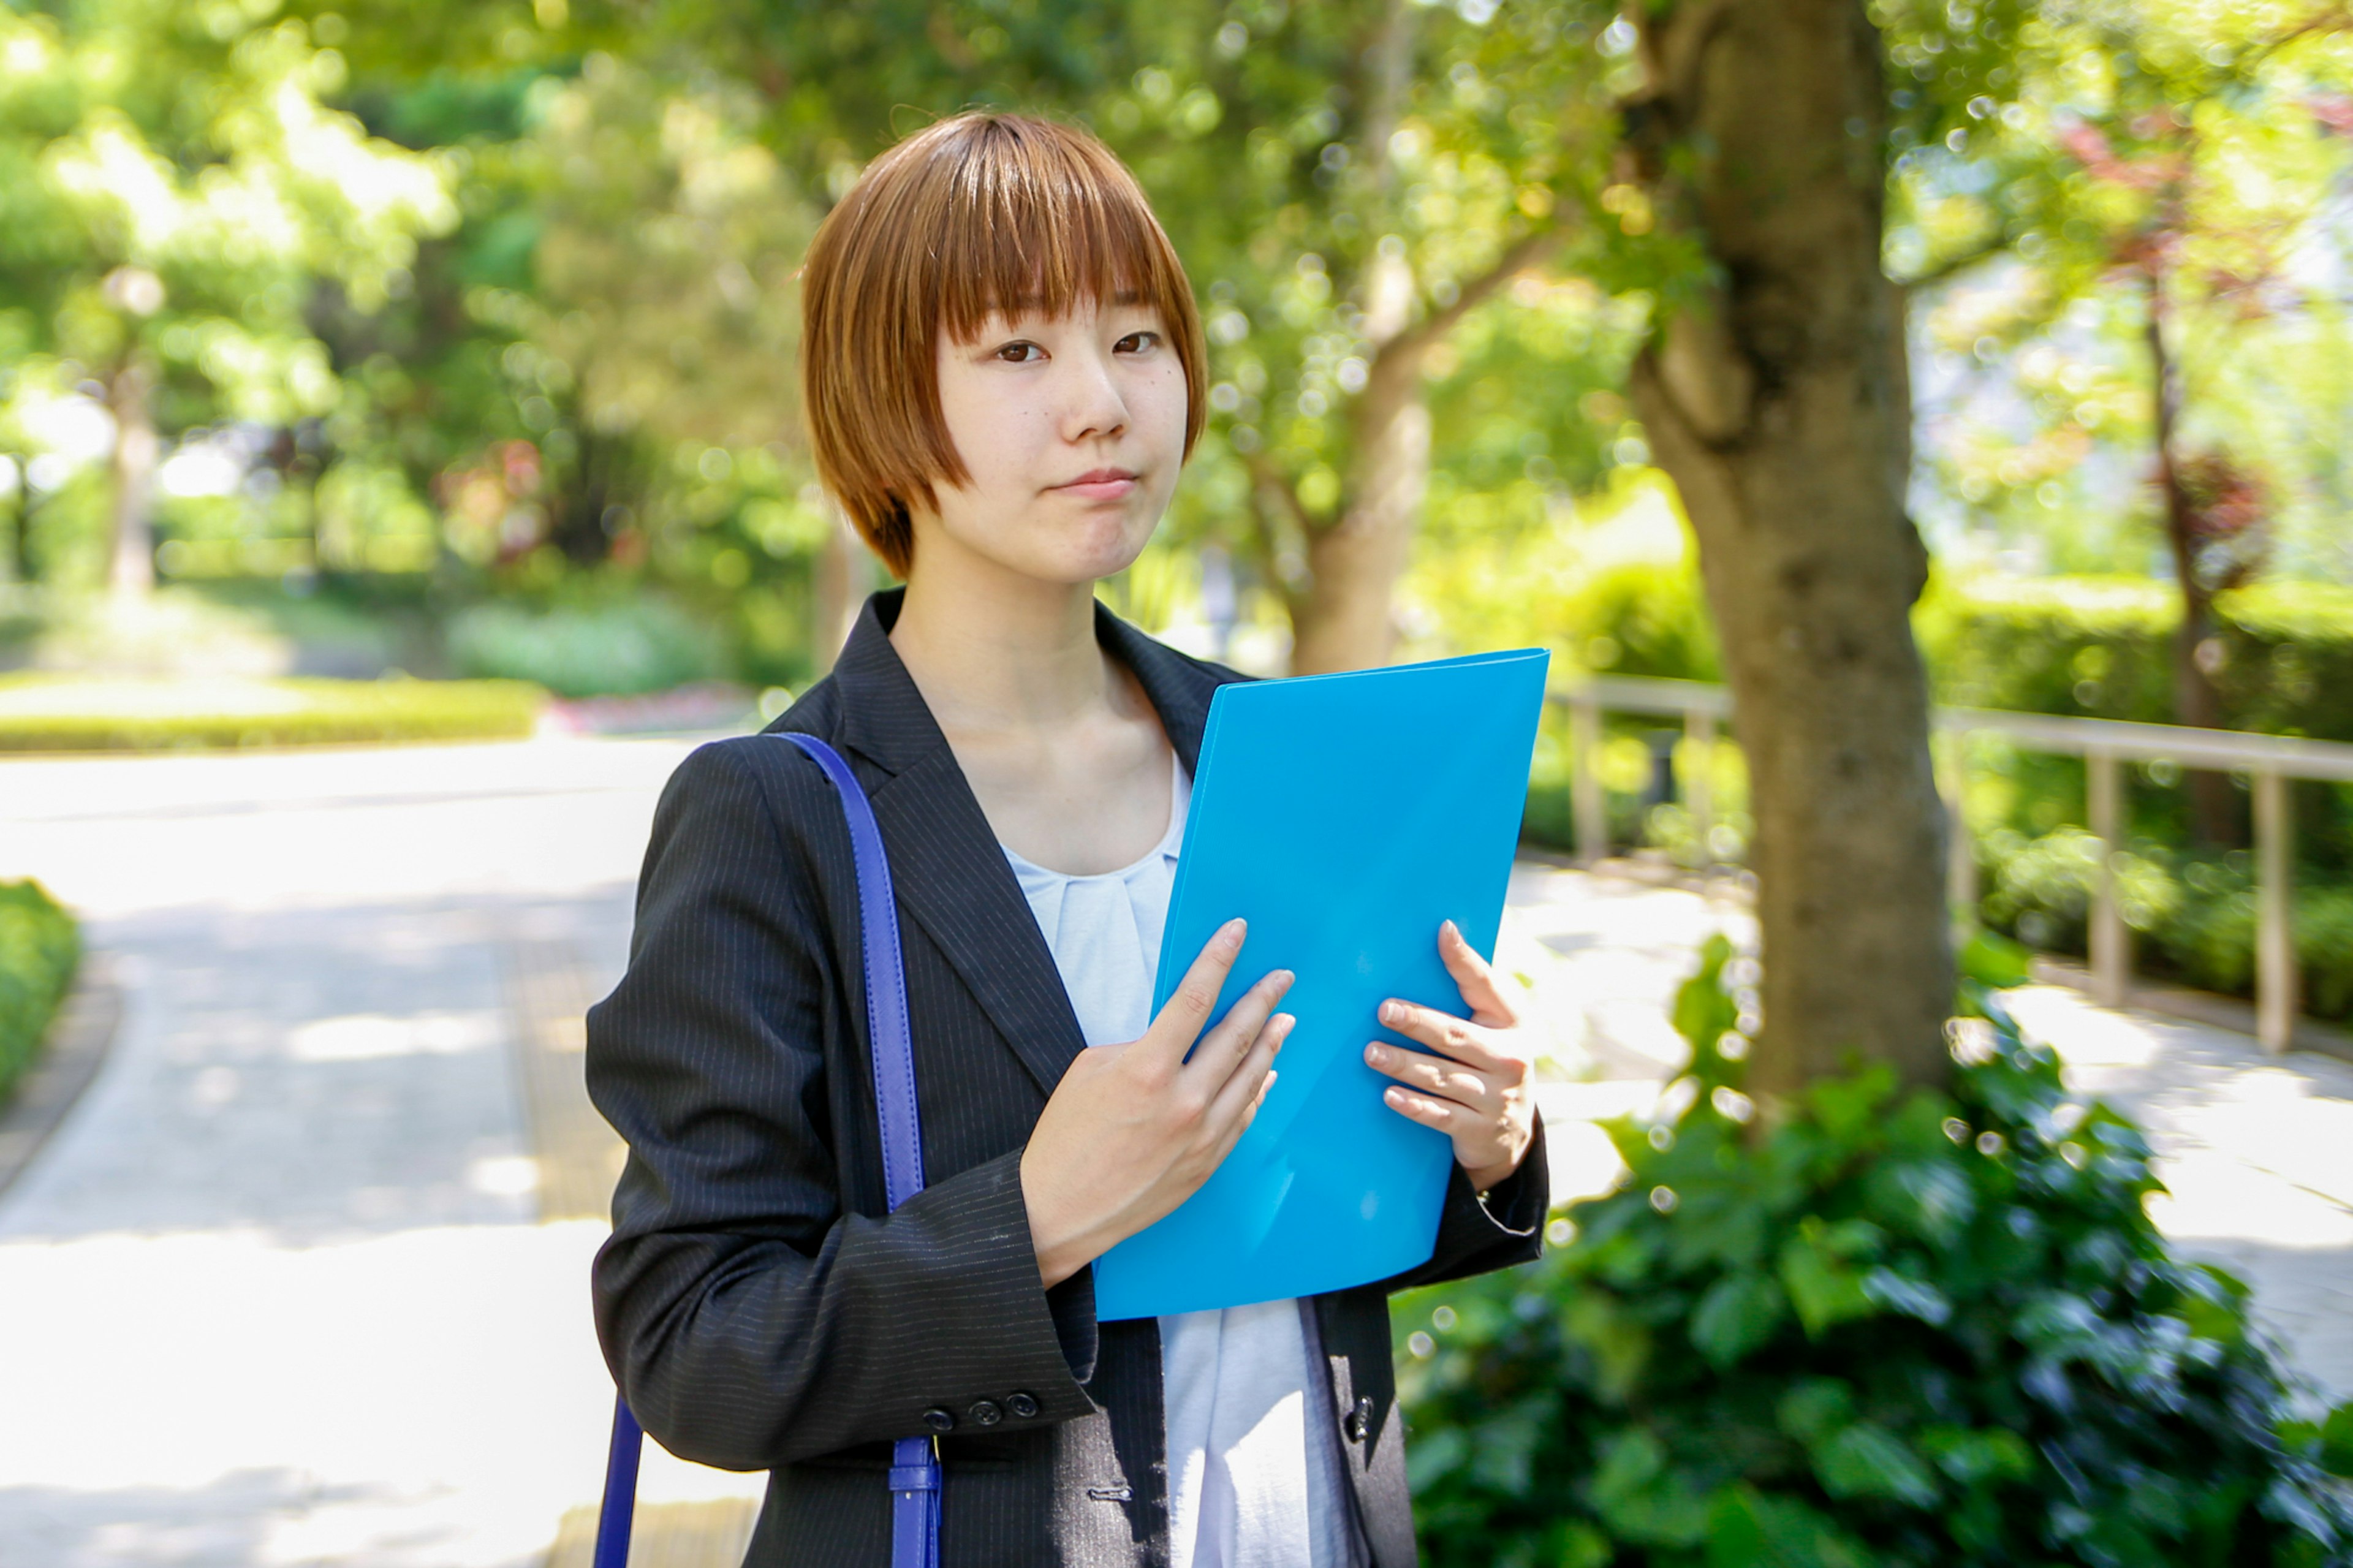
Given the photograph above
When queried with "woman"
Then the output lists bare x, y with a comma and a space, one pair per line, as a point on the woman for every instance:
1003, 374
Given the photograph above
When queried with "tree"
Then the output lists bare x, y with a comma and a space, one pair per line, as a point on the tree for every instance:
1776, 397
171, 191
2164, 164
1346, 181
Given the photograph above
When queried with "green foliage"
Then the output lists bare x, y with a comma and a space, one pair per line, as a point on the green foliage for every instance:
69, 713
2103, 647
616, 646
40, 947
1866, 1328
2193, 915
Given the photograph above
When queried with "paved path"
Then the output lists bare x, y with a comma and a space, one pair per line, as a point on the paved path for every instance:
281, 1266
276, 1293
2257, 1151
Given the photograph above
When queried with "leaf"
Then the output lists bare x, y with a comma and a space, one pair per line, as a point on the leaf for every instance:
2336, 1441
1993, 959
1823, 1289
1975, 1457
1911, 1298
1642, 1499
1433, 1456
1868, 1461
1747, 1529
1815, 1409
1739, 1313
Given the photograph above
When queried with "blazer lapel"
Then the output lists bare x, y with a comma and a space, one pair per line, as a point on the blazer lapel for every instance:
947, 869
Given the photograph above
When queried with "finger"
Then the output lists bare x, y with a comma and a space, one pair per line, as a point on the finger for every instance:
1435, 1074
1222, 1051
1475, 978
1182, 1018
1465, 1041
1429, 1109
1237, 1100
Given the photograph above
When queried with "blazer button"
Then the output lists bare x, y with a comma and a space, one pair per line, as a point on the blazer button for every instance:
1359, 1421
939, 1420
1021, 1405
985, 1413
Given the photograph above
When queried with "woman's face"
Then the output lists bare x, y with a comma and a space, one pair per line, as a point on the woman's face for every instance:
1073, 428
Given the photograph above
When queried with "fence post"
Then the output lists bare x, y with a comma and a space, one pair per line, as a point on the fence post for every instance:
2275, 987
1592, 823
2110, 955
1699, 777
1961, 854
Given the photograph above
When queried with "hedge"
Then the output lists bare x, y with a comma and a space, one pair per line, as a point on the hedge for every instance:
2104, 647
39, 948
2101, 646
624, 648
79, 713
1879, 1329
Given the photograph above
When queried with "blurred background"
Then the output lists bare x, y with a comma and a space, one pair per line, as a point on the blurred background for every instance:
401, 467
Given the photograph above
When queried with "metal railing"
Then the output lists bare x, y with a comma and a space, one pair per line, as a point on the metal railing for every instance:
2269, 761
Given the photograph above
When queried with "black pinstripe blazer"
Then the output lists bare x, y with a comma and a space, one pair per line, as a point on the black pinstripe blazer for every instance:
758, 1303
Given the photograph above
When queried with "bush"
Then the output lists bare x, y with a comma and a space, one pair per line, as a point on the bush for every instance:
91, 713
2193, 917
2104, 647
2287, 666
1888, 1329
40, 949
620, 648
2094, 645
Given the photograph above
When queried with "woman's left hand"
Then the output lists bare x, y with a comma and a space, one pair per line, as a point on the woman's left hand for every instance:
1478, 1089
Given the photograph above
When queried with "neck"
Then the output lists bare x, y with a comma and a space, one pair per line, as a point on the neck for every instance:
993, 649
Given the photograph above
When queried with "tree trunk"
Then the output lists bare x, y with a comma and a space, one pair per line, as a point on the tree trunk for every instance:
1782, 411
1343, 618
837, 588
130, 573
2213, 817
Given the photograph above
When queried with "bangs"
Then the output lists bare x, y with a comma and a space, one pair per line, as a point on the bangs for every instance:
979, 213
1029, 224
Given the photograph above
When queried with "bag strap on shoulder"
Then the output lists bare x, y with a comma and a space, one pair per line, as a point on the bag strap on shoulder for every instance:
887, 1033
914, 1461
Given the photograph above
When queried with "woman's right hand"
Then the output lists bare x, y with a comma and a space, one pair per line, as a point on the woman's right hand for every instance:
1132, 1130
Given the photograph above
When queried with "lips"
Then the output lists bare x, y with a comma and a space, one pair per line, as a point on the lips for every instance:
1100, 484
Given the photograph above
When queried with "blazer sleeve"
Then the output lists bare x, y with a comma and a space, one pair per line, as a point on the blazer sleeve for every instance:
749, 1316
1476, 1235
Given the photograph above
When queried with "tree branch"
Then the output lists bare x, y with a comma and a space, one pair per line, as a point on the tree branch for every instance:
1517, 258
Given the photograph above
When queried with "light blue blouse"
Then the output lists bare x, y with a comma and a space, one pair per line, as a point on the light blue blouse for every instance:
1254, 1470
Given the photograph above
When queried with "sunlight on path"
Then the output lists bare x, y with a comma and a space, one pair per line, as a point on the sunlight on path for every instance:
280, 1273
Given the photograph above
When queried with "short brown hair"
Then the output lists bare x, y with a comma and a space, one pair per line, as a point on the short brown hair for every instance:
978, 212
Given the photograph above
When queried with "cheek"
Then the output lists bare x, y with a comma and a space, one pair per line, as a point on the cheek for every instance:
1163, 405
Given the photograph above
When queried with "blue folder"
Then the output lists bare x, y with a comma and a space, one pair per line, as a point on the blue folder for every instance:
1343, 816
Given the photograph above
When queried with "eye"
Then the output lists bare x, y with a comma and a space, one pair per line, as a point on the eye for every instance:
1017, 352
1141, 341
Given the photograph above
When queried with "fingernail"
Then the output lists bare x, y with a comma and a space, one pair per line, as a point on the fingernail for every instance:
1284, 977
1230, 933
1376, 1055
1392, 1013
1450, 929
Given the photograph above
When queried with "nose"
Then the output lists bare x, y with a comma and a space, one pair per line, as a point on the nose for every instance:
1092, 405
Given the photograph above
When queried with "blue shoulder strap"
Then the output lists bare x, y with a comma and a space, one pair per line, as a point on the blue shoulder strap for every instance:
914, 1461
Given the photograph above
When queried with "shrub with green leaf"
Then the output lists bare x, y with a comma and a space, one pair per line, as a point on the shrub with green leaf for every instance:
620, 648
40, 947
1923, 1329
2192, 917
123, 713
